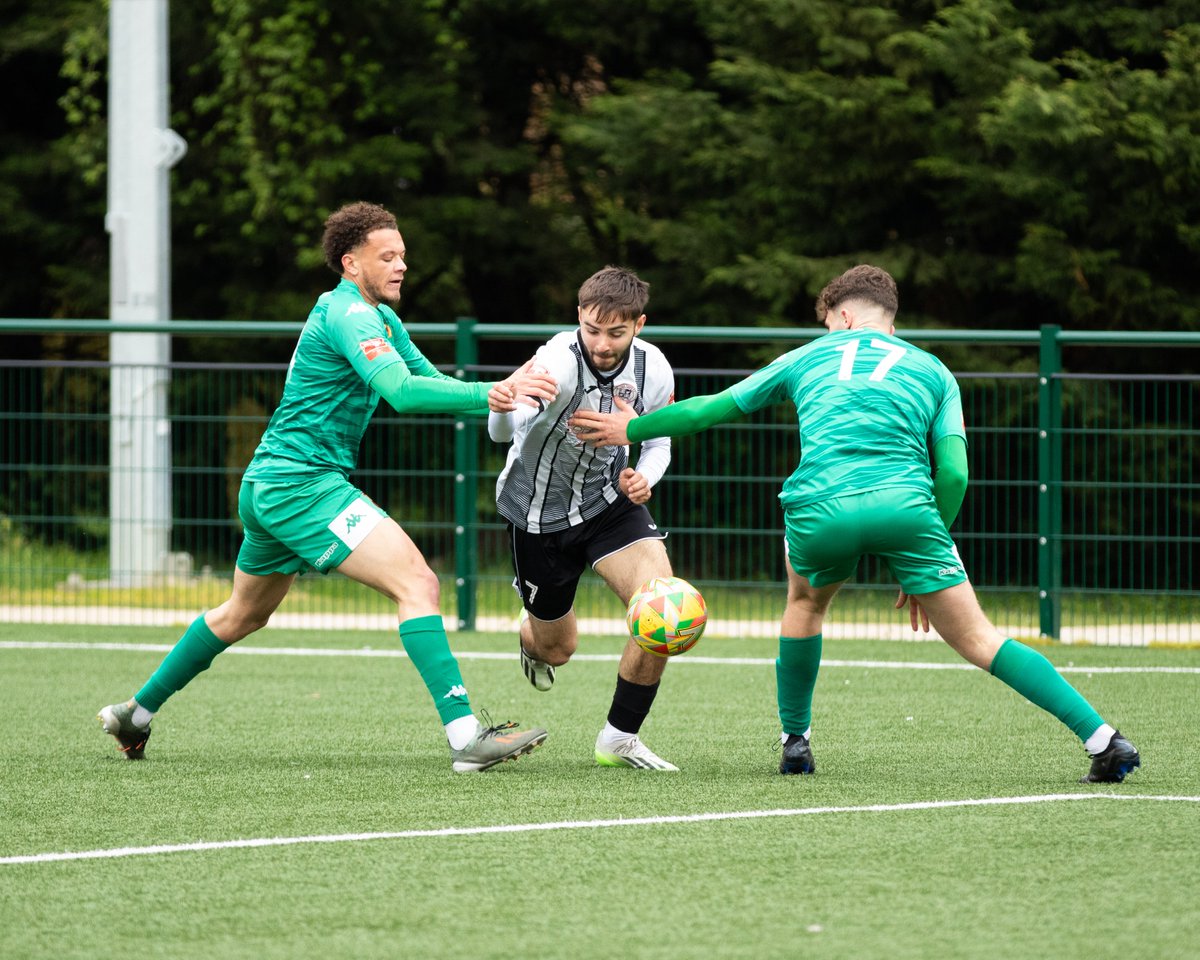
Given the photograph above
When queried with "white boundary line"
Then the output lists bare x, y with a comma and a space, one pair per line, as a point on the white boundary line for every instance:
201, 846
592, 657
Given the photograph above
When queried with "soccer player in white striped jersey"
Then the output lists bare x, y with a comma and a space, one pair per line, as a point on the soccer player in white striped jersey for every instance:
568, 505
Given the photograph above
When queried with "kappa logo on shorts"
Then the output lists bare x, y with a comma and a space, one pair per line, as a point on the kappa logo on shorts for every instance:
352, 525
375, 347
321, 560
949, 571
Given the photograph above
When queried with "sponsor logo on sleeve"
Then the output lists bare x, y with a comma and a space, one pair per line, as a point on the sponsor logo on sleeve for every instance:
375, 347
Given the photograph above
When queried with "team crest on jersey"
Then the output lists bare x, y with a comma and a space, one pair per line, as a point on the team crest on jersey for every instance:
375, 347
625, 391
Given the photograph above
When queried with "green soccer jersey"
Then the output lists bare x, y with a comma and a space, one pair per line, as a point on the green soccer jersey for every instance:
327, 398
869, 406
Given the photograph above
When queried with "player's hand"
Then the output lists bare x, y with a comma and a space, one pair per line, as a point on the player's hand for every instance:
915, 611
529, 383
634, 485
604, 429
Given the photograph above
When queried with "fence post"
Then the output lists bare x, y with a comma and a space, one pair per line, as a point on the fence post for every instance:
1050, 482
466, 472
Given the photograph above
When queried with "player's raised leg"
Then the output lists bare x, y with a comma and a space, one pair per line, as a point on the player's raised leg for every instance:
639, 672
248, 608
545, 645
388, 561
956, 615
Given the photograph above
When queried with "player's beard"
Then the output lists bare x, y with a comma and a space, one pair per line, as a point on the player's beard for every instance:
610, 363
380, 294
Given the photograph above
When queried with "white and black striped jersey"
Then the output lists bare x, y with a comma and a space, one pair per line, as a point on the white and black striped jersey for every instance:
552, 480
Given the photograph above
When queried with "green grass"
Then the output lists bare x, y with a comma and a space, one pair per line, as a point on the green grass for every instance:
286, 746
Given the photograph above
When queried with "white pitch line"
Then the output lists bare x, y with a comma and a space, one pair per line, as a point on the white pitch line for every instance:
119, 852
585, 657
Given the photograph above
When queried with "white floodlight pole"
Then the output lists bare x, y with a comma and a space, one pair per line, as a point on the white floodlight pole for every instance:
141, 151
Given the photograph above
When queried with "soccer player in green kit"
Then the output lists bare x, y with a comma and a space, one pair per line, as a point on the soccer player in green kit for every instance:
870, 406
300, 511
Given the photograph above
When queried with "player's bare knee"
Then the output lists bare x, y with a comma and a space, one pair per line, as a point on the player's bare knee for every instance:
807, 605
232, 625
416, 589
555, 650
556, 656
977, 646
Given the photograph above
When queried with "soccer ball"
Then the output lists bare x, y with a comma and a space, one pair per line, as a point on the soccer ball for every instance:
666, 616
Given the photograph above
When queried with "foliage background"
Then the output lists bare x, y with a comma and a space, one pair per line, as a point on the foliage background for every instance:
1013, 163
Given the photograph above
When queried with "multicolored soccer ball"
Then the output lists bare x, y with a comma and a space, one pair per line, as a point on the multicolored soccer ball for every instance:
666, 616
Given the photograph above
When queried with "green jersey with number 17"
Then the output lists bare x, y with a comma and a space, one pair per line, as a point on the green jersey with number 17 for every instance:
327, 399
870, 406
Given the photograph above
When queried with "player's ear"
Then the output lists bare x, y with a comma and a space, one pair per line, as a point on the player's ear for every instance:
638, 324
349, 266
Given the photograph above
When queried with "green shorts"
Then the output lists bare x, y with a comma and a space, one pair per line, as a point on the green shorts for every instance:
901, 525
312, 524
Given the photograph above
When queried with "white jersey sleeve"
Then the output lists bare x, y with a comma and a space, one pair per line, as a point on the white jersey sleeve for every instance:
654, 455
552, 480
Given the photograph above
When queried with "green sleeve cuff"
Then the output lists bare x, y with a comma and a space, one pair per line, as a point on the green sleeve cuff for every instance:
686, 416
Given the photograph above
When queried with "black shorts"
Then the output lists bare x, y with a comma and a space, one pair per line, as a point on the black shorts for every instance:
548, 565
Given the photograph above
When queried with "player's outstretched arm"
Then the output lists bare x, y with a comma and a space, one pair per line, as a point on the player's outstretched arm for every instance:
676, 420
414, 394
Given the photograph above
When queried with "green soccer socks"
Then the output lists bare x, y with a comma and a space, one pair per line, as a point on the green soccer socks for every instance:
191, 655
795, 677
425, 642
1034, 678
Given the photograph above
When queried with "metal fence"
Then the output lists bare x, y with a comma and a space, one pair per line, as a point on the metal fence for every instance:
1082, 521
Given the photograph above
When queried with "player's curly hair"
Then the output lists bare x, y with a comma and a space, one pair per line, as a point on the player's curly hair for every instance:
864, 282
616, 293
349, 226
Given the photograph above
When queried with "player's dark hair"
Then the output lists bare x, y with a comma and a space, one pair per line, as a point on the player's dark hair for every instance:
349, 227
864, 282
616, 293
